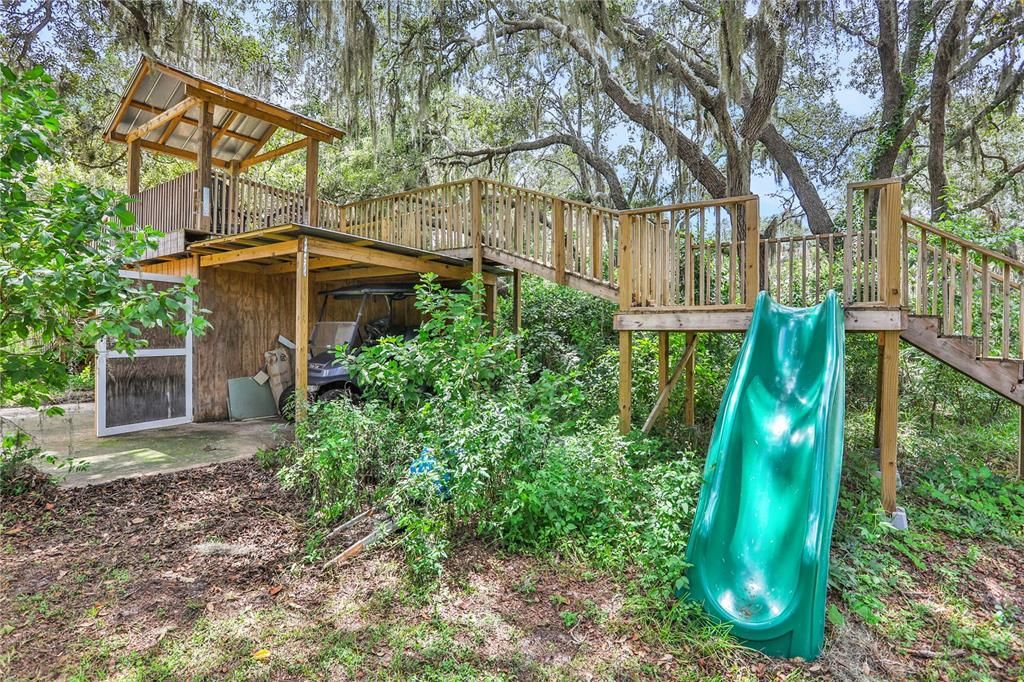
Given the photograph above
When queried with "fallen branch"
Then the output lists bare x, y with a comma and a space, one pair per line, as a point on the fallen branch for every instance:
359, 546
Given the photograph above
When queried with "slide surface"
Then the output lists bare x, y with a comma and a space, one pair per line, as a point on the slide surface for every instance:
762, 531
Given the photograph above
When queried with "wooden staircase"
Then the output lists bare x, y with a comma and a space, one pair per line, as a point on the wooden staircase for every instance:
962, 353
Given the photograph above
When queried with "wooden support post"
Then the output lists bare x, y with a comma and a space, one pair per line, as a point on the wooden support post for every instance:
491, 305
477, 219
663, 348
889, 226
663, 344
134, 166
312, 173
1020, 450
625, 382
663, 395
878, 391
558, 240
204, 167
888, 415
301, 328
625, 337
752, 252
517, 307
689, 413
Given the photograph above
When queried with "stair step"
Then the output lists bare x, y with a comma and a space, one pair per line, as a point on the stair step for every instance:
1005, 377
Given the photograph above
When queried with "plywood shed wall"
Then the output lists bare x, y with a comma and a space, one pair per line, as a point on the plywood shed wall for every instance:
247, 312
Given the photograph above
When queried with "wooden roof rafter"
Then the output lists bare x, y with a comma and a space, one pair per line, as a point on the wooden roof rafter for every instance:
153, 112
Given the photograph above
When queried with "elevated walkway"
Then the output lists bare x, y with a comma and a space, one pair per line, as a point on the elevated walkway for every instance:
692, 268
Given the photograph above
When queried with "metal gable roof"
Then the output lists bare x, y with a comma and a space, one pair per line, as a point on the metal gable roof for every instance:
241, 124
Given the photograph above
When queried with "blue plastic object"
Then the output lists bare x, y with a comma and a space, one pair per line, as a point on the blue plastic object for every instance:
762, 531
425, 464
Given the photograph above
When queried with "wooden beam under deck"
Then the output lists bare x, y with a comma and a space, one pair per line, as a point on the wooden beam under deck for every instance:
276, 249
857, 320
362, 254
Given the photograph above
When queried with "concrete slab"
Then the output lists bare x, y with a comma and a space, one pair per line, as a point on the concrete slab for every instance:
73, 434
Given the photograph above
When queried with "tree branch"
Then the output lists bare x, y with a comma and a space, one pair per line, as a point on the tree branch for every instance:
997, 186
949, 43
576, 144
689, 152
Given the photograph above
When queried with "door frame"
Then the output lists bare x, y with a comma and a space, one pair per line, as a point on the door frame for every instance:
102, 355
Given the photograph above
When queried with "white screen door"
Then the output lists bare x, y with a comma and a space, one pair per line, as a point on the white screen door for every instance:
152, 387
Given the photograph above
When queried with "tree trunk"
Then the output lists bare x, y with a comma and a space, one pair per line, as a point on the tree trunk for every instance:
948, 45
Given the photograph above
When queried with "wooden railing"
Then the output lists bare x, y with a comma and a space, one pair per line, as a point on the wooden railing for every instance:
699, 255
168, 207
253, 205
237, 204
435, 218
565, 239
975, 291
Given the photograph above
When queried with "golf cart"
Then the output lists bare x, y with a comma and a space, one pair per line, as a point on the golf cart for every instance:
329, 377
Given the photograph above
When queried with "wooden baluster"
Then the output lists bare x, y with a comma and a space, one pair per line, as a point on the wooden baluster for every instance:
717, 291
688, 276
944, 281
1020, 320
866, 247
924, 276
702, 289
779, 246
986, 305
830, 258
792, 263
905, 250
817, 270
934, 253
848, 267
1006, 310
733, 236
803, 271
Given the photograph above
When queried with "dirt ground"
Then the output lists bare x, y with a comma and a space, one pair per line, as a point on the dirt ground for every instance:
203, 574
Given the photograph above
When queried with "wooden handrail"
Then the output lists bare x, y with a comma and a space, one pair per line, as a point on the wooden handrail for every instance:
960, 241
873, 184
708, 203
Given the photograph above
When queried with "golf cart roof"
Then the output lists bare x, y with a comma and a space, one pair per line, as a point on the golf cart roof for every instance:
373, 290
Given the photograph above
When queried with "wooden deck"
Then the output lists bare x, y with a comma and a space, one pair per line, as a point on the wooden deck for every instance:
691, 268
694, 262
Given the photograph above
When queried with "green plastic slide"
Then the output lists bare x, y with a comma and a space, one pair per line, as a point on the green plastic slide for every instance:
763, 527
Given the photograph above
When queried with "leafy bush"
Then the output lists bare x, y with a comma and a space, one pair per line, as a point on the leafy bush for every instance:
64, 246
16, 454
456, 435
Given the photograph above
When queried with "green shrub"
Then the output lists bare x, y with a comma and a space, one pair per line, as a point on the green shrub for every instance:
341, 455
16, 454
456, 435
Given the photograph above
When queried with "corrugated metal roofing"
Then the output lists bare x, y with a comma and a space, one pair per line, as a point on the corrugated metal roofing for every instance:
242, 123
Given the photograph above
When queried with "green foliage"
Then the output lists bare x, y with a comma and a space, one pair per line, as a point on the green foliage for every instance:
16, 453
456, 434
563, 328
340, 453
62, 249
